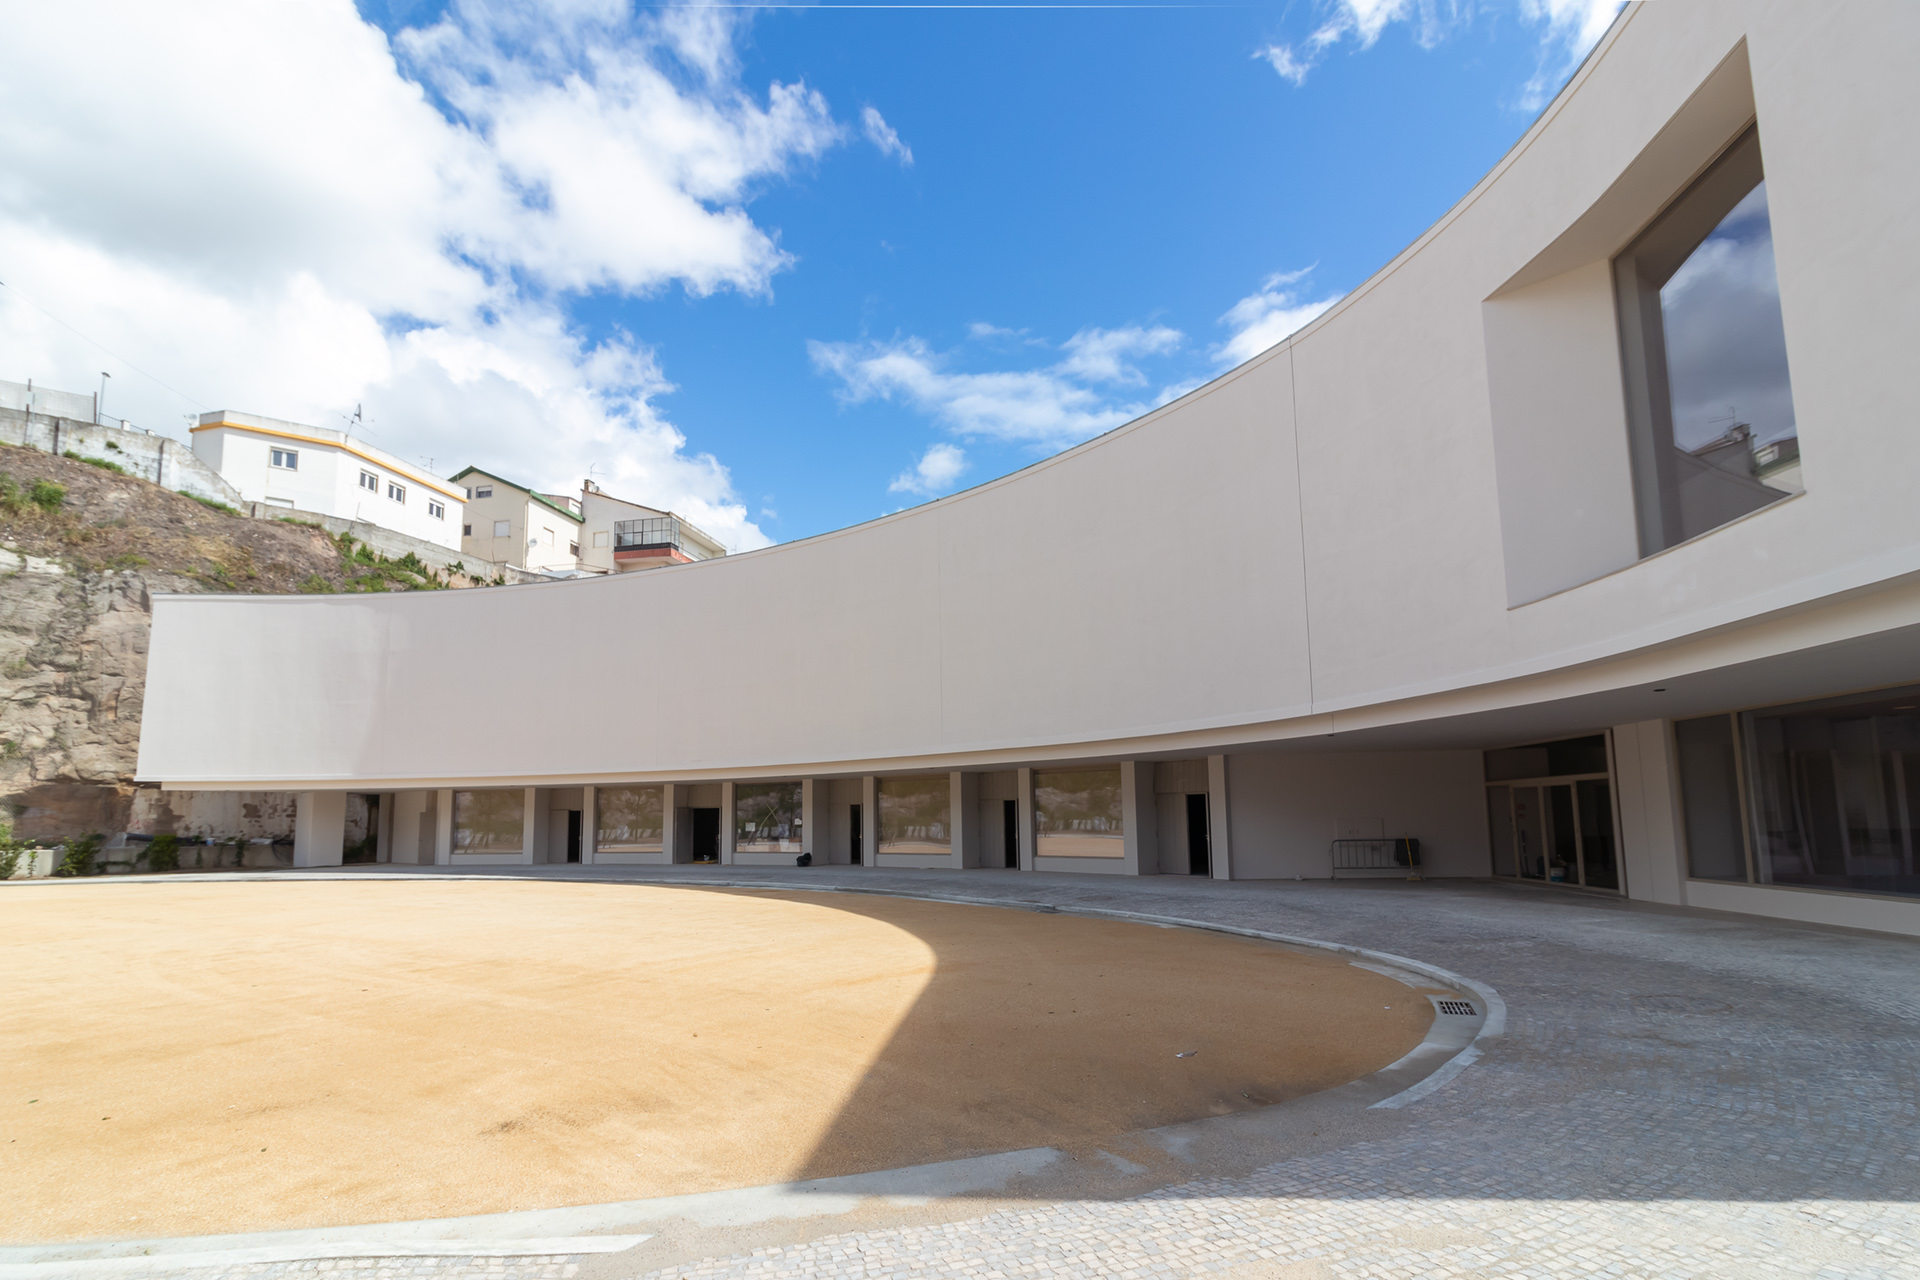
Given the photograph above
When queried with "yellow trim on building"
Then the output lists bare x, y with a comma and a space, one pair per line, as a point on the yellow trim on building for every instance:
458, 495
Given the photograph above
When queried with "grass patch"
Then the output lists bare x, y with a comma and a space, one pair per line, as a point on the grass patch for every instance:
101, 463
44, 494
211, 504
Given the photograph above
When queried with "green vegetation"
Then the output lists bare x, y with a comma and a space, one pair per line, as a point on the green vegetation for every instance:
368, 570
221, 507
315, 585
11, 851
101, 463
44, 494
81, 851
163, 854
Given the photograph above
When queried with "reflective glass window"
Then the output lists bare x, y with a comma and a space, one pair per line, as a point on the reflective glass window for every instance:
766, 817
1709, 403
1710, 798
915, 815
490, 821
1834, 787
1077, 814
628, 818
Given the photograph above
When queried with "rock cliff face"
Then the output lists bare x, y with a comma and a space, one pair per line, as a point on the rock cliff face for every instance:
77, 577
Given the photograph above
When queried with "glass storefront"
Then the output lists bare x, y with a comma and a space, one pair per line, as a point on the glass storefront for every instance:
915, 815
1817, 794
629, 819
1077, 814
766, 817
1550, 813
490, 821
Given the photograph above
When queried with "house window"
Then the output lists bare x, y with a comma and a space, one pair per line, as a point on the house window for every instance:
1711, 428
573, 549
286, 459
483, 491
600, 537
466, 531
549, 534
501, 528
437, 510
370, 481
397, 492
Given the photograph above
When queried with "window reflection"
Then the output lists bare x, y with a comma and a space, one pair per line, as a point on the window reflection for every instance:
1077, 814
766, 817
629, 818
1710, 404
915, 815
490, 821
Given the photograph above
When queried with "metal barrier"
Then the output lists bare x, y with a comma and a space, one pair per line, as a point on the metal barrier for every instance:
1399, 853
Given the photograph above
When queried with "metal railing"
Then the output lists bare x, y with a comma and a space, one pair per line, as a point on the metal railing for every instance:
1398, 853
654, 531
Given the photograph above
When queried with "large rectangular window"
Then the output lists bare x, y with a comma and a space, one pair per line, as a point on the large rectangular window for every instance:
915, 815
1077, 814
490, 821
629, 818
766, 817
1712, 433
1829, 791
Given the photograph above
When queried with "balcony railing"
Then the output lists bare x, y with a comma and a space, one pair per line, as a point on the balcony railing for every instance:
653, 532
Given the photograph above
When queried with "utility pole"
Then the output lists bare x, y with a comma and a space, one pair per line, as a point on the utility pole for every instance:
100, 397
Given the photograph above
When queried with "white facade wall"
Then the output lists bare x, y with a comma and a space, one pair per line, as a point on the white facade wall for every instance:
327, 477
1422, 547
511, 526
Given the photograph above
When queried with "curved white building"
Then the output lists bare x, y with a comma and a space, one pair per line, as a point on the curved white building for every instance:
1521, 551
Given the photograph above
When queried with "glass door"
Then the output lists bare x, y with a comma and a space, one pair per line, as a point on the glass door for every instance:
1557, 831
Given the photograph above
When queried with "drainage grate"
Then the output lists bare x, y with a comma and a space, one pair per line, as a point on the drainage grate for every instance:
1458, 1008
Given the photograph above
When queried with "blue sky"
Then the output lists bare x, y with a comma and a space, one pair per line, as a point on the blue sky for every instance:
784, 270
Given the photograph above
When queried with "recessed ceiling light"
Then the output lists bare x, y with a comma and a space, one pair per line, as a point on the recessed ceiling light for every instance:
1661, 689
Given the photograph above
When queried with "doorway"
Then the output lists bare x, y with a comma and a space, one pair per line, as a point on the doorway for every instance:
1199, 839
853, 825
706, 835
1010, 832
573, 835
1555, 831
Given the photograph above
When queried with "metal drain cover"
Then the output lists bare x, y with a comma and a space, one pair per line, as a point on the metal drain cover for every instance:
1458, 1008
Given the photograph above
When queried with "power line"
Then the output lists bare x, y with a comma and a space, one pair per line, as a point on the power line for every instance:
84, 338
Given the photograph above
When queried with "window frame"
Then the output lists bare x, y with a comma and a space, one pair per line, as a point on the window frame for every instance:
370, 481
283, 459
436, 508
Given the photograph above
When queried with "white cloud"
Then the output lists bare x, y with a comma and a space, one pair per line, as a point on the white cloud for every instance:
1268, 316
1052, 407
881, 135
261, 205
1567, 30
934, 474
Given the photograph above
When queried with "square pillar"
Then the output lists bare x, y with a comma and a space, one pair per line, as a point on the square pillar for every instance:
533, 839
1141, 817
1219, 829
870, 820
813, 818
589, 825
320, 829
726, 824
1646, 777
963, 819
383, 843
443, 828
1025, 802
671, 794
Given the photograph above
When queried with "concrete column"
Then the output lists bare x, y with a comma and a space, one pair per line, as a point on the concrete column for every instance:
813, 818
963, 819
533, 840
870, 820
589, 825
670, 795
320, 829
1142, 818
1025, 802
443, 828
1652, 851
726, 824
1219, 828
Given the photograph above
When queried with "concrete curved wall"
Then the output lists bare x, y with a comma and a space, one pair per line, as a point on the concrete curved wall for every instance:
1417, 506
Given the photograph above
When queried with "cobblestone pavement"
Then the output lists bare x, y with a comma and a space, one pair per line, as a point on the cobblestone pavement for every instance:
1677, 1094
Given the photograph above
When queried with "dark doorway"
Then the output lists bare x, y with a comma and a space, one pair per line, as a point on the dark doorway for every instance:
706, 835
1199, 843
573, 835
853, 845
1010, 823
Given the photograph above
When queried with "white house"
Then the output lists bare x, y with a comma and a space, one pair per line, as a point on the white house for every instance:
318, 469
1492, 570
622, 536
508, 523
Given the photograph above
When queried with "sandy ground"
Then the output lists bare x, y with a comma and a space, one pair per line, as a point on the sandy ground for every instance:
181, 1058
